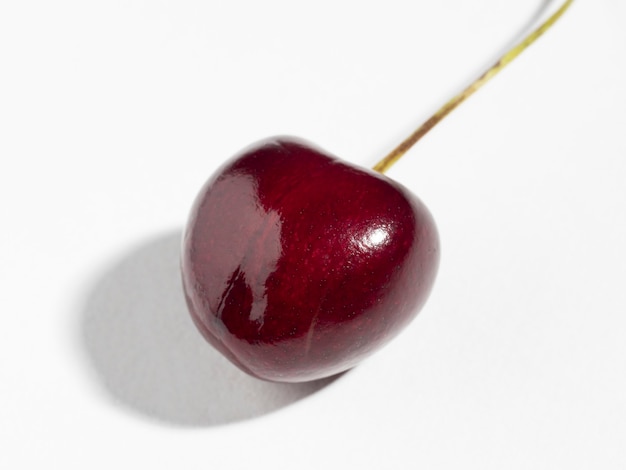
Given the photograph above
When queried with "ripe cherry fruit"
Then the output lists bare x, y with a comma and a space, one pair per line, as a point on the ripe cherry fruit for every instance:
297, 265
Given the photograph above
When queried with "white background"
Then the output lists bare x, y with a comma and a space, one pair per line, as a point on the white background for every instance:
114, 113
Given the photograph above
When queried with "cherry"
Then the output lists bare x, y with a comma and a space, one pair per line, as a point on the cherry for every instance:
297, 265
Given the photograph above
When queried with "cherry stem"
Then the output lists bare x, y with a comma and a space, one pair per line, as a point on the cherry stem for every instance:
386, 163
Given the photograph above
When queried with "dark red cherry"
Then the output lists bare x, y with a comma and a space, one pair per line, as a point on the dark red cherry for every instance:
297, 265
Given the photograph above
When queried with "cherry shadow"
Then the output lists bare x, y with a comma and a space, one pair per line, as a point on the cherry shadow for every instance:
149, 356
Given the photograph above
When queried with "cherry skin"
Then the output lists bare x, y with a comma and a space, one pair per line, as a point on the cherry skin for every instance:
297, 265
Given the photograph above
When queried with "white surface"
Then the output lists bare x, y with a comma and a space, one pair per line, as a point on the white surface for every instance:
112, 114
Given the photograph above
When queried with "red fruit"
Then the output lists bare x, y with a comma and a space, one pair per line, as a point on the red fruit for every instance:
297, 265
